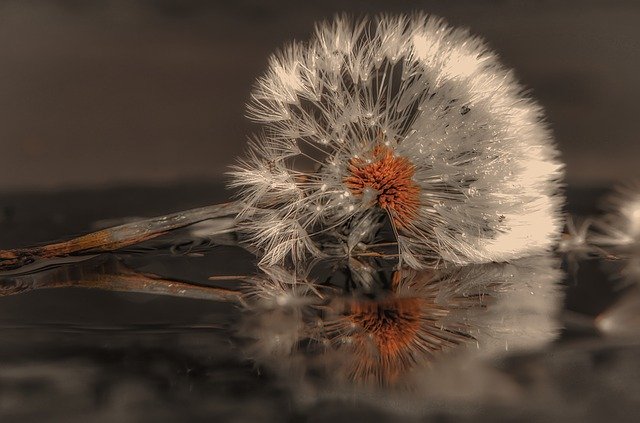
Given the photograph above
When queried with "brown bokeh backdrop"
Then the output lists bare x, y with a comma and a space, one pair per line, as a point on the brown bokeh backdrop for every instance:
152, 92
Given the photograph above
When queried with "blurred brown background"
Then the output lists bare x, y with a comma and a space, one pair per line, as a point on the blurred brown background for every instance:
151, 92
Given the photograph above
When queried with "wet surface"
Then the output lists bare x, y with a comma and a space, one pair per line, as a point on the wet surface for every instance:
533, 340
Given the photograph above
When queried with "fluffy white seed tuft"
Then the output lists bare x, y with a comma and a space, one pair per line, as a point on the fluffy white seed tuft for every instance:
403, 117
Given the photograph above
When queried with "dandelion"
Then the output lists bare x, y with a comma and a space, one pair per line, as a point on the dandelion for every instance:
617, 233
399, 123
576, 244
404, 119
620, 226
575, 240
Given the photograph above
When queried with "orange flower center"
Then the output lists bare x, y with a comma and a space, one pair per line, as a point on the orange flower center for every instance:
390, 177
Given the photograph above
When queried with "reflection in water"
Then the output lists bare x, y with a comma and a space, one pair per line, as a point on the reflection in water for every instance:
107, 272
360, 337
417, 336
402, 338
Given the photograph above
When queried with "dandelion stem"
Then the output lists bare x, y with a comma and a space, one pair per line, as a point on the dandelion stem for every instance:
117, 237
375, 254
228, 278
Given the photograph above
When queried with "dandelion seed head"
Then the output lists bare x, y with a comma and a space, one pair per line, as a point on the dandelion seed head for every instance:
620, 225
405, 118
576, 241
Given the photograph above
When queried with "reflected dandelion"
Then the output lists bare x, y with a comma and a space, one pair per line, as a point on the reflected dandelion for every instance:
394, 338
399, 337
389, 335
